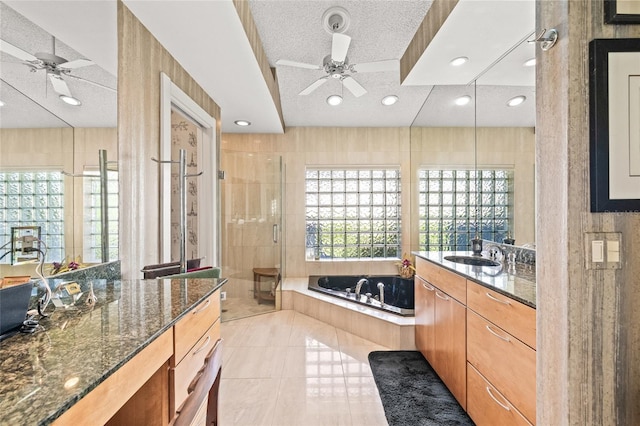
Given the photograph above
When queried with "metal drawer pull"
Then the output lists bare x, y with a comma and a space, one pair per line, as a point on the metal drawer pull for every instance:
443, 297
506, 339
495, 299
427, 286
206, 305
204, 345
506, 407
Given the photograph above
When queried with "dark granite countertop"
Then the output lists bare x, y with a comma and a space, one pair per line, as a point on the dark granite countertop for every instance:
515, 281
43, 374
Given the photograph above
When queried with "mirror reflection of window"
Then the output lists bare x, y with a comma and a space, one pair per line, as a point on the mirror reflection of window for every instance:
92, 226
34, 198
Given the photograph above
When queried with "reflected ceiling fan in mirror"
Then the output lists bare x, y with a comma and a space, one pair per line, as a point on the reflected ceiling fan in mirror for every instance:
57, 69
337, 66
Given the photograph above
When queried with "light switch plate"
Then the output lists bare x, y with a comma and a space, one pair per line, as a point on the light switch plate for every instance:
603, 250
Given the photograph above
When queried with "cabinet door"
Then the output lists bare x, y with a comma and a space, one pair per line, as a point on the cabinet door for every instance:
425, 299
451, 346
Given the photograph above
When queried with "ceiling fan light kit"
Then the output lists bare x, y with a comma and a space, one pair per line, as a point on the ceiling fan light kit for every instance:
336, 65
334, 100
56, 68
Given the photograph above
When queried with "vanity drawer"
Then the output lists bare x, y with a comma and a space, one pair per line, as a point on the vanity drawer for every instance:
187, 369
488, 407
506, 362
194, 324
512, 316
451, 283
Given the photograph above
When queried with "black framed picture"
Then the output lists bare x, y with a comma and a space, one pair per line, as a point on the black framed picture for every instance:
614, 123
622, 11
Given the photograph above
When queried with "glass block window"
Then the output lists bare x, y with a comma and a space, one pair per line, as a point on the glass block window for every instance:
452, 203
33, 198
92, 245
352, 213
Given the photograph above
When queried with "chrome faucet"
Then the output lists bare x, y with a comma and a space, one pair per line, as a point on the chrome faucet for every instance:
359, 287
381, 292
494, 250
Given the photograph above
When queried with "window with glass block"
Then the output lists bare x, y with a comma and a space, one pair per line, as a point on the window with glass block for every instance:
454, 205
92, 247
352, 213
33, 198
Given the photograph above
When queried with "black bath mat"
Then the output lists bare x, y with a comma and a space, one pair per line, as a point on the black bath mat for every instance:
412, 393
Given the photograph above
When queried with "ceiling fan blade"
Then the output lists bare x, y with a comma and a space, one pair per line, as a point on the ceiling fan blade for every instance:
377, 66
313, 86
90, 82
298, 64
59, 85
77, 63
354, 87
16, 52
339, 47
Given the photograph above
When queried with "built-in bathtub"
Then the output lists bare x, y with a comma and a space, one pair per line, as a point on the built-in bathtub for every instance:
398, 292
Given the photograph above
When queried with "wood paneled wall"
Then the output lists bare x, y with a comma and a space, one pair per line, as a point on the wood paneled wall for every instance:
141, 60
588, 334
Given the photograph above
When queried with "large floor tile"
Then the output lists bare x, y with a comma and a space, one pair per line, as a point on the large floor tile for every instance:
255, 362
247, 402
313, 361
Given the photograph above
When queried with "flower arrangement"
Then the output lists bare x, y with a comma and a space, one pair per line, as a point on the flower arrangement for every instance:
65, 266
406, 268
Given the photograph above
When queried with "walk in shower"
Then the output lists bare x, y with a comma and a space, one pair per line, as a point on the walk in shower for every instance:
251, 196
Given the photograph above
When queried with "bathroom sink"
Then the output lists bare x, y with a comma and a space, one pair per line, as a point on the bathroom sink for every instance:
472, 260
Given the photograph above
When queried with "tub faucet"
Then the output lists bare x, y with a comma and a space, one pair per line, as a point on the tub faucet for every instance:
381, 292
359, 286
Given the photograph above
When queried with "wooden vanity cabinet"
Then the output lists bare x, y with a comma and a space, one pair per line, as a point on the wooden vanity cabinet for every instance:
441, 324
194, 336
498, 329
425, 307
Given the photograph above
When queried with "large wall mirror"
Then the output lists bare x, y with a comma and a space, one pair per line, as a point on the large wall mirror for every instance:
50, 149
468, 137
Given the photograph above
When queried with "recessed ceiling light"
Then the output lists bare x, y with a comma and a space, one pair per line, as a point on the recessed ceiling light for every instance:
389, 100
1, 104
70, 100
530, 62
456, 62
334, 100
516, 101
243, 123
463, 100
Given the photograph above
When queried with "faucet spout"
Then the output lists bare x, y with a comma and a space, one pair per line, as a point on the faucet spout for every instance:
381, 292
359, 286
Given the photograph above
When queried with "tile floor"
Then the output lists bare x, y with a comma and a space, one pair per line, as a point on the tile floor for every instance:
285, 368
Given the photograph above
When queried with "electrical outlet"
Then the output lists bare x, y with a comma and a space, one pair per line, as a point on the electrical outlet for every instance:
223, 296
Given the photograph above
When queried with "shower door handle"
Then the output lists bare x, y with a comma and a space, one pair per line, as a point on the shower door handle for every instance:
275, 233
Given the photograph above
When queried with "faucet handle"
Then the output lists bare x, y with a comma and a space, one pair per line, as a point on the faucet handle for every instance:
368, 297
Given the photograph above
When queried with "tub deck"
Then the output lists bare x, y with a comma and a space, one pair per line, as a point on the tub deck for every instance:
387, 329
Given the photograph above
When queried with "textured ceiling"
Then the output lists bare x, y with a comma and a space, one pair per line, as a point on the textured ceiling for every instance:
380, 30
29, 98
209, 41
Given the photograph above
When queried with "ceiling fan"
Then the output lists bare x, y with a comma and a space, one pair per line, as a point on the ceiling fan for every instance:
337, 66
56, 68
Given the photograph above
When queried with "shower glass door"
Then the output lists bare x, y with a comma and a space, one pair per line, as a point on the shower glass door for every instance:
251, 195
